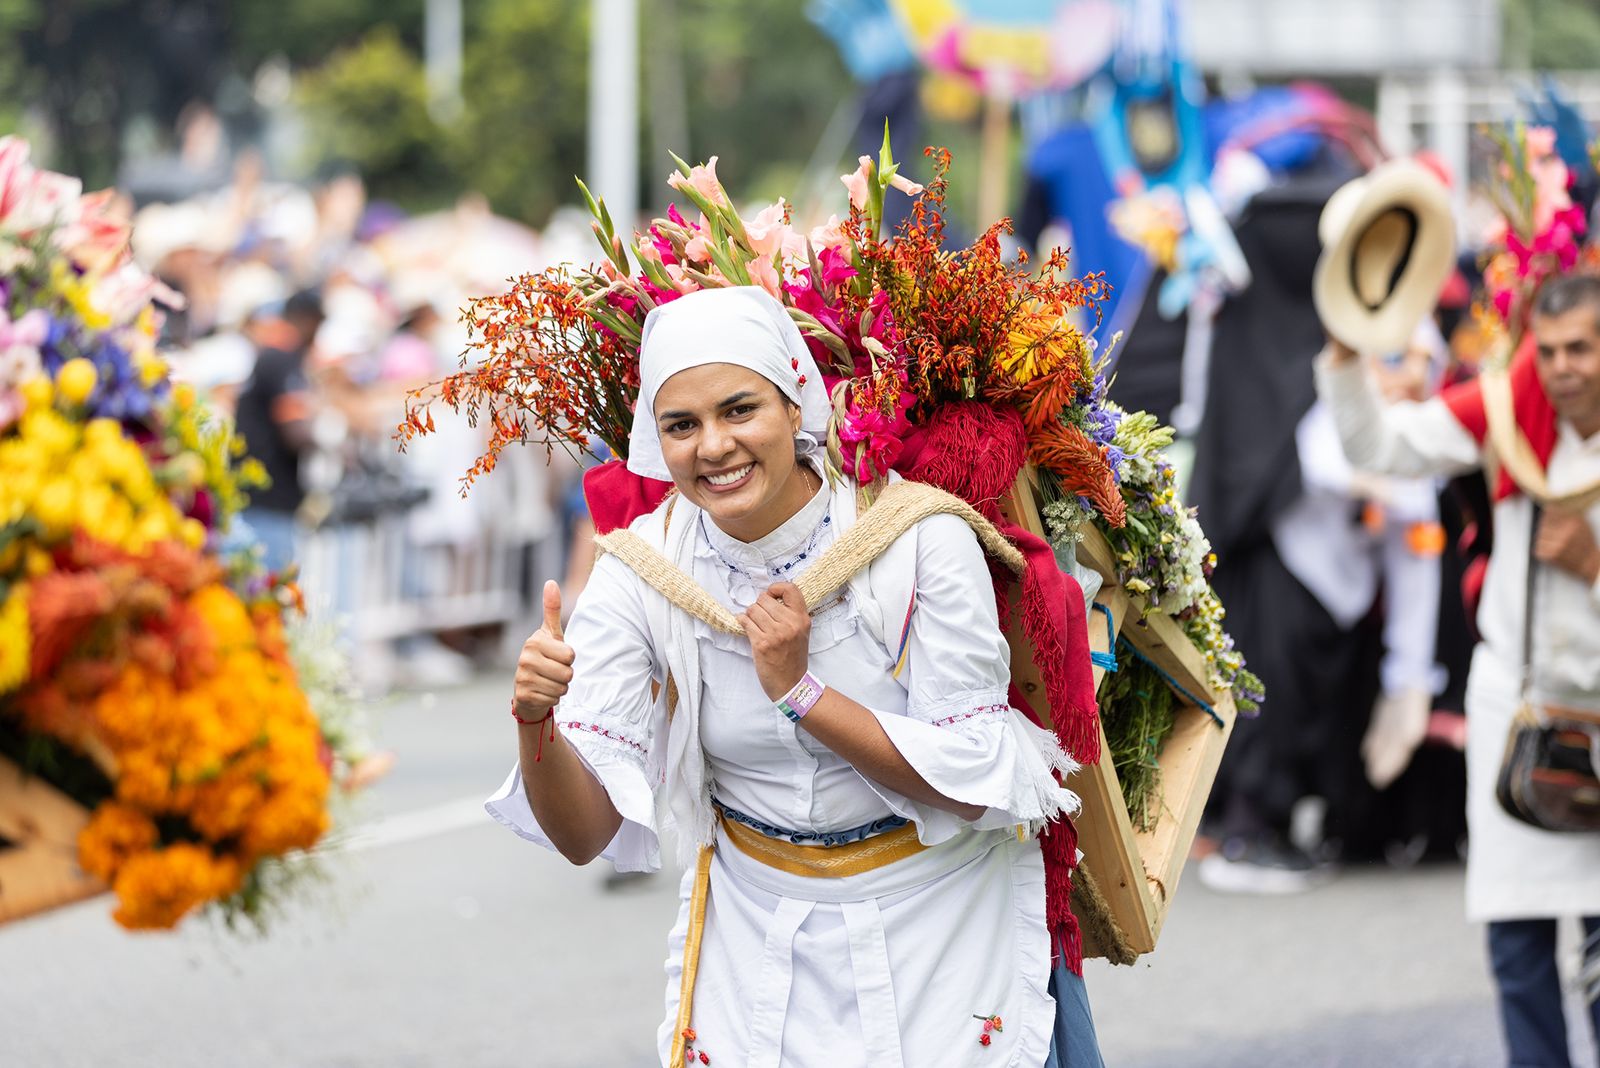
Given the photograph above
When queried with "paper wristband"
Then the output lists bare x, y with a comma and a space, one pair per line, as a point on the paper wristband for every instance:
799, 700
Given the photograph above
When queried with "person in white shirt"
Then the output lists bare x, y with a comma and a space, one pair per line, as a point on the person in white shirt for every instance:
805, 738
1519, 880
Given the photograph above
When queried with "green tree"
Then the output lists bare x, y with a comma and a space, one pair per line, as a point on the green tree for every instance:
525, 86
1551, 34
368, 106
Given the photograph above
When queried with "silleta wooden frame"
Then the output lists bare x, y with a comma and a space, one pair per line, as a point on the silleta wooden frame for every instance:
39, 828
1135, 873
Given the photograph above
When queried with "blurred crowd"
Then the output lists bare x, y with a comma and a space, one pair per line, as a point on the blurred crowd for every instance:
309, 312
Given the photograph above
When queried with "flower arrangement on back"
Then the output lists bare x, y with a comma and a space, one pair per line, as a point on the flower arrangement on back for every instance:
143, 670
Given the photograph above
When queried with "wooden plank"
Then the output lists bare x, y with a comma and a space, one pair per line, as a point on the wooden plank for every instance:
1094, 551
39, 867
1136, 872
1162, 639
1189, 761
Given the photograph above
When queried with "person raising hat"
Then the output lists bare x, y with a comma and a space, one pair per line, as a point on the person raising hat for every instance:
1537, 425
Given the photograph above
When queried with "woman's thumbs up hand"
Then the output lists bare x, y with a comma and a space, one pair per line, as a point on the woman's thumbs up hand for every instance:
545, 667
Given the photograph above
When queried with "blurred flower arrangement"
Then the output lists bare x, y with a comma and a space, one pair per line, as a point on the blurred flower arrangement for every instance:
1541, 230
144, 670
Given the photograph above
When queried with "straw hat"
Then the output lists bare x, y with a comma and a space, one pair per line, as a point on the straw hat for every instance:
1388, 246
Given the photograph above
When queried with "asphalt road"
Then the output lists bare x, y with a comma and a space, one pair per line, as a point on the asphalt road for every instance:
437, 938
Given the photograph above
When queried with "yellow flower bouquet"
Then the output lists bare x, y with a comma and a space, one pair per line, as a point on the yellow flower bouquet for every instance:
145, 672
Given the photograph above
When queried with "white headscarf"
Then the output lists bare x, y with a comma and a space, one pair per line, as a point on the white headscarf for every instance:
741, 325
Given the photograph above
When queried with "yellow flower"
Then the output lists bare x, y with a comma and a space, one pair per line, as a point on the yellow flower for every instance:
76, 380
16, 642
152, 369
37, 392
55, 507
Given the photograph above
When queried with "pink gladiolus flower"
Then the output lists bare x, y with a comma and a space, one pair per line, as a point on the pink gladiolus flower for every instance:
829, 235
765, 275
870, 444
836, 266
905, 185
857, 183
98, 239
680, 279
650, 251
702, 179
698, 249
767, 231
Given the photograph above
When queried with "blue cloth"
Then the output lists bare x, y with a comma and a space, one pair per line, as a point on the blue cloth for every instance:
275, 532
813, 838
1070, 166
1522, 954
1073, 1044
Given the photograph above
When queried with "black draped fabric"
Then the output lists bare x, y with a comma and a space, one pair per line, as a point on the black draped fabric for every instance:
1149, 370
1259, 385
1320, 679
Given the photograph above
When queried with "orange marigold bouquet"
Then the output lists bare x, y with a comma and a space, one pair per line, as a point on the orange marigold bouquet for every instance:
144, 665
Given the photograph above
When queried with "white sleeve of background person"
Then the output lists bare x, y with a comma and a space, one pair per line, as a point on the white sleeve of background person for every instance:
605, 716
959, 730
1408, 439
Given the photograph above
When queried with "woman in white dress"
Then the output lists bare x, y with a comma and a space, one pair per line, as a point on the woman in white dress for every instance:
876, 889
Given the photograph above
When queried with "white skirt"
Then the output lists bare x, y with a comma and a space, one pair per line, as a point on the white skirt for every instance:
892, 968
1515, 872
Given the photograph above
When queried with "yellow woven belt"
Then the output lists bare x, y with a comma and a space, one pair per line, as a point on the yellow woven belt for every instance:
813, 862
824, 862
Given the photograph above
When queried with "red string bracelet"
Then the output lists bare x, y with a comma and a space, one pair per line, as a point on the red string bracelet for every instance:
538, 754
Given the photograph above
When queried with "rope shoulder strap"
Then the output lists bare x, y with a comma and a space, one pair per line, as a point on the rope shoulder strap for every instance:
897, 509
1513, 453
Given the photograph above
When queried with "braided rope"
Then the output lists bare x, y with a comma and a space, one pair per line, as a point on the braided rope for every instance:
898, 508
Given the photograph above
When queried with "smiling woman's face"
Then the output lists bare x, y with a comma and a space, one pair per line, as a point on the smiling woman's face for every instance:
728, 438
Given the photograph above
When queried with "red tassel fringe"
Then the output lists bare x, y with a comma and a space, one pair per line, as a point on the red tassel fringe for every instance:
976, 453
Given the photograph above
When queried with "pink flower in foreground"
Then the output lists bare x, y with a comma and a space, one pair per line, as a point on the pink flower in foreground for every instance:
31, 199
857, 183
829, 235
767, 231
98, 239
697, 249
905, 185
765, 275
702, 179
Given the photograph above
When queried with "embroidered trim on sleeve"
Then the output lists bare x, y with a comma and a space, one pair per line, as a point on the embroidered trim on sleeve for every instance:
984, 710
604, 732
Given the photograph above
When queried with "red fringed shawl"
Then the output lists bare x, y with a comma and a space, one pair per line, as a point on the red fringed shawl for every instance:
1536, 419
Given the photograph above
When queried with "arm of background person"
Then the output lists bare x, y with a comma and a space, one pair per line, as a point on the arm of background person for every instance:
1408, 439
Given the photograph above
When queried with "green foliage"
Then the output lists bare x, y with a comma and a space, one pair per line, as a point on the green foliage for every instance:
1136, 710
1551, 34
306, 32
762, 83
523, 136
368, 106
